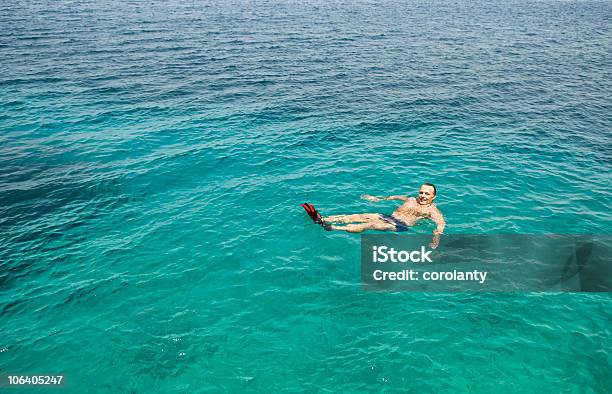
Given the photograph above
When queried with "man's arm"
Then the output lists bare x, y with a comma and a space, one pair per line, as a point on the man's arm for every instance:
379, 198
437, 217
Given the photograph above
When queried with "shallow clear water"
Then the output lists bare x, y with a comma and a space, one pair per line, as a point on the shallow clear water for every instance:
153, 156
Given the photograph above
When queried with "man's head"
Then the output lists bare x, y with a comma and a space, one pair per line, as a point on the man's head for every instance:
427, 193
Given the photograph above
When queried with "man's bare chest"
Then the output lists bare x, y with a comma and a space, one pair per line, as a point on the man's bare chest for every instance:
413, 209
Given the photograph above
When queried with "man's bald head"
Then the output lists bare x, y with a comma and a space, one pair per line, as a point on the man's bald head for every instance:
427, 193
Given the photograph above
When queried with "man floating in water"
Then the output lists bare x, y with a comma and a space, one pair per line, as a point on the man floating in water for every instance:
407, 215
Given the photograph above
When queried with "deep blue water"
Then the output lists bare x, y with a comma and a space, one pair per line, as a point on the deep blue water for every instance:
153, 156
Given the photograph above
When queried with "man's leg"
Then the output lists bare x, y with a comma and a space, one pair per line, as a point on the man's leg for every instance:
357, 218
377, 224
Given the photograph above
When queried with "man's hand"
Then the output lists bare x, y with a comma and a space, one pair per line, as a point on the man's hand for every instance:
371, 198
435, 240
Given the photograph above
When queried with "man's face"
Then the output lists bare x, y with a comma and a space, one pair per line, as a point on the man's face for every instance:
426, 195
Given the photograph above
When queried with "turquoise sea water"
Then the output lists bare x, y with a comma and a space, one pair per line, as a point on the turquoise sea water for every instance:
153, 156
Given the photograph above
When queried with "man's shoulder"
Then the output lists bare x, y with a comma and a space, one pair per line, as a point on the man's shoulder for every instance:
434, 209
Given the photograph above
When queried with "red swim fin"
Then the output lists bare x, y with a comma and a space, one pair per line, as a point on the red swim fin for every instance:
315, 215
312, 212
